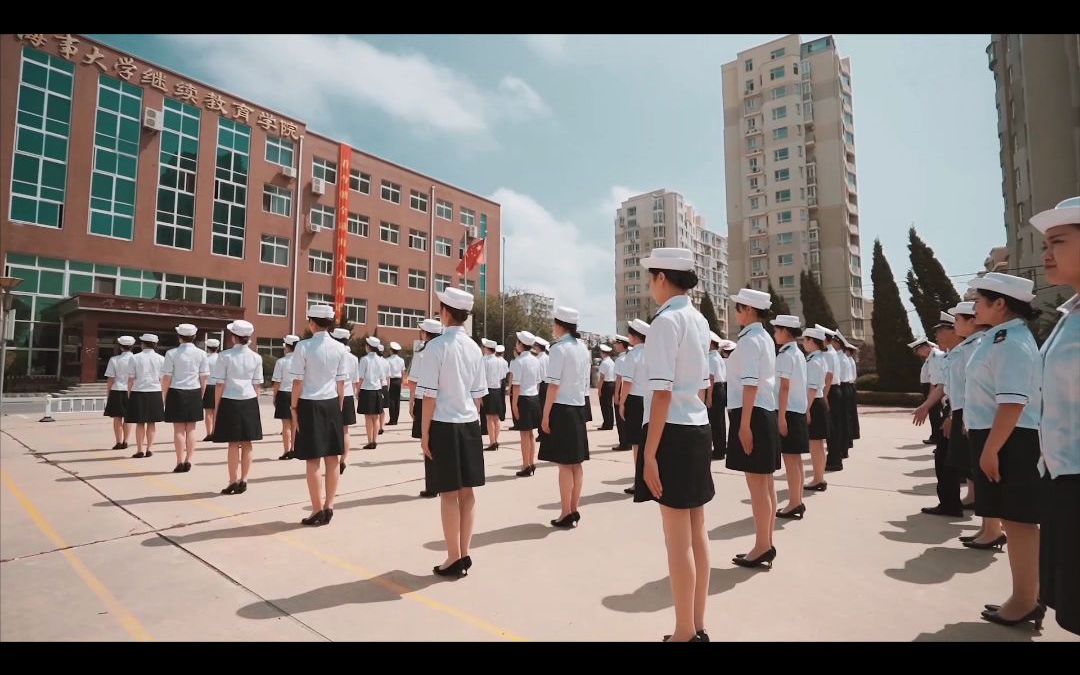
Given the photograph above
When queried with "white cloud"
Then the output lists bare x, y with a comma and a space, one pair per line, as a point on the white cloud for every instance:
315, 76
618, 195
550, 256
551, 47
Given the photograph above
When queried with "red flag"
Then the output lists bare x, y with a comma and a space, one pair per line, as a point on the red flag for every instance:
474, 255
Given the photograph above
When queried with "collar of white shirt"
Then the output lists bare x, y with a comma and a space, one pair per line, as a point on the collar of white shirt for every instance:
751, 327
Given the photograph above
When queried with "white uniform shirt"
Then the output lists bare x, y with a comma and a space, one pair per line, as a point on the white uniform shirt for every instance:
928, 365
849, 369
955, 368
791, 366
370, 372
937, 367
753, 363
717, 367
451, 373
185, 364
493, 371
211, 359
675, 360
833, 361
146, 369
607, 369
281, 373
1004, 368
414, 369
525, 373
815, 374
636, 374
568, 368
854, 369
1059, 430
397, 366
352, 367
622, 363
239, 369
320, 362
119, 368
543, 358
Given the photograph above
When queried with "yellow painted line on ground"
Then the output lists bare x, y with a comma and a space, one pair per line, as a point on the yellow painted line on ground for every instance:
365, 574
114, 606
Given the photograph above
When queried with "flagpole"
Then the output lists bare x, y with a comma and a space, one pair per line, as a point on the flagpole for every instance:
502, 287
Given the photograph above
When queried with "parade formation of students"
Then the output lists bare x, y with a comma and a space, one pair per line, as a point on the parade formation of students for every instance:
1003, 415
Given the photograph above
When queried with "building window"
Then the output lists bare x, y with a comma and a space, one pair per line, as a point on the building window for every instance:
776, 53
749, 86
849, 138
468, 217
43, 127
442, 282
851, 180
755, 203
360, 181
397, 317
277, 200
356, 310
783, 196
776, 73
324, 169
320, 299
444, 209
781, 175
271, 347
179, 157
657, 217
388, 274
633, 288
279, 151
273, 301
116, 156
785, 238
753, 165
230, 188
389, 232
322, 217
417, 280
785, 260
813, 234
780, 133
780, 154
274, 250
391, 192
418, 201
748, 65
630, 262
815, 258
418, 240
631, 211
752, 143
787, 282
753, 182
779, 92
320, 262
783, 217
444, 246
197, 289
356, 268
358, 225
779, 113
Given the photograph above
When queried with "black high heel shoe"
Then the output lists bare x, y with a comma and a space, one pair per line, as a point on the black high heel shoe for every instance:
576, 516
1035, 615
466, 562
179, 468
455, 569
314, 519
968, 537
187, 467
998, 543
817, 487
796, 513
704, 637
763, 560
566, 521
327, 516
341, 467
241, 487
231, 489
526, 472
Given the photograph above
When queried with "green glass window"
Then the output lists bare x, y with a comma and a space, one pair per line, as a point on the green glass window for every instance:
230, 188
175, 215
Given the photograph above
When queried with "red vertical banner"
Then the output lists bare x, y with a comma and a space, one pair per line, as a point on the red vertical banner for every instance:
341, 242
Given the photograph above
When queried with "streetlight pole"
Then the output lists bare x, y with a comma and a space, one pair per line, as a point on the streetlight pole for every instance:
7, 301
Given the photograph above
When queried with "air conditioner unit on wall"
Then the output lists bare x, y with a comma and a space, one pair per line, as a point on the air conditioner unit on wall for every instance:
312, 226
288, 172
318, 186
153, 119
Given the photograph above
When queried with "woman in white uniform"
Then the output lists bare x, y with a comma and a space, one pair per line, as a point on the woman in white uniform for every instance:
213, 346
239, 377
117, 374
184, 374
674, 464
282, 384
348, 414
817, 414
493, 400
525, 399
145, 404
565, 440
791, 397
754, 434
396, 364
632, 393
429, 330
716, 398
606, 383
1002, 403
369, 395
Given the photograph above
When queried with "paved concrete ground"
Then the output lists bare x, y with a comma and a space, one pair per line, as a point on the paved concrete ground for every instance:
98, 546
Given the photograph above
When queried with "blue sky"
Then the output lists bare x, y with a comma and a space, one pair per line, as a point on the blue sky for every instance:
558, 129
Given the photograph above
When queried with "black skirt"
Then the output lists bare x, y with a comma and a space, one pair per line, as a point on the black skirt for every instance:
320, 432
116, 405
238, 420
457, 457
718, 419
635, 417
384, 398
369, 403
568, 442
853, 408
208, 396
417, 415
183, 405
1059, 550
529, 413
684, 458
495, 403
959, 453
797, 441
819, 420
587, 408
283, 405
145, 407
348, 413
765, 457
1017, 496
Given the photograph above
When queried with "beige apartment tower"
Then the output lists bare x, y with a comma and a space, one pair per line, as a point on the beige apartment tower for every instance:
789, 164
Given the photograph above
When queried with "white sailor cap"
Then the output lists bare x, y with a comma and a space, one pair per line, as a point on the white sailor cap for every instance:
966, 308
320, 312
541, 342
727, 345
456, 298
288, 339
787, 321
815, 333
373, 341
499, 349
567, 315
341, 334
241, 328
1067, 212
213, 343
186, 330
490, 344
1006, 284
623, 339
525, 337
125, 340
395, 346
752, 298
605, 349
639, 326
433, 326
148, 337
919, 342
